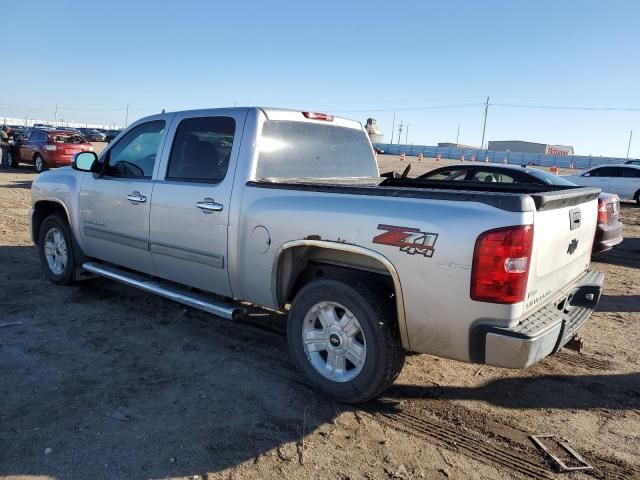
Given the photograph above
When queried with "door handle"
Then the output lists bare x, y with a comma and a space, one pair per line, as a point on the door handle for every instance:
208, 205
136, 197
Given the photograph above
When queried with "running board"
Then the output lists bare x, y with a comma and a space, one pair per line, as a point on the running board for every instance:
195, 300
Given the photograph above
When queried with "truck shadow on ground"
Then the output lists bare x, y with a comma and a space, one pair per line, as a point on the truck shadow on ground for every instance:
619, 303
18, 184
627, 254
122, 384
576, 392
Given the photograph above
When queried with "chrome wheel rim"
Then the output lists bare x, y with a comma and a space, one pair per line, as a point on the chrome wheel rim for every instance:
334, 341
39, 164
55, 250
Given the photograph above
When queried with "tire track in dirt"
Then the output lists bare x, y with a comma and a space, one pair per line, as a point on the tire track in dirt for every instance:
262, 341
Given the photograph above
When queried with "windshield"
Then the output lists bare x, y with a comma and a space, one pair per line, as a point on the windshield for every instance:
550, 178
308, 150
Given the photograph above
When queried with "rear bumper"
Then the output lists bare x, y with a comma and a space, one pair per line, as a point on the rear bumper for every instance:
59, 160
542, 333
607, 237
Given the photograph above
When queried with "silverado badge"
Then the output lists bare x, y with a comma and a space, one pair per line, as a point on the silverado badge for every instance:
410, 240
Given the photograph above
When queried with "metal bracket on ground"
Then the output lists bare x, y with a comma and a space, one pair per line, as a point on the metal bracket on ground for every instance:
537, 439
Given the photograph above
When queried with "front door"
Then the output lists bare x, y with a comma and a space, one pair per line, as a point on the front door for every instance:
190, 208
114, 206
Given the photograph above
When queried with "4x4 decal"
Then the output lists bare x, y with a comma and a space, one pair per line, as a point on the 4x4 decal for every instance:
409, 240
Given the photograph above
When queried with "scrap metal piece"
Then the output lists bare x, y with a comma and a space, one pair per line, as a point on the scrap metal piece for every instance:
563, 443
576, 344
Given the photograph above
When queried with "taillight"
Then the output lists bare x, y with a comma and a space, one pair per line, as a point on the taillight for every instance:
603, 214
318, 116
501, 262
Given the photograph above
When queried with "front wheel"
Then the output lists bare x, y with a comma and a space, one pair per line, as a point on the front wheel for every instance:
636, 197
344, 339
56, 251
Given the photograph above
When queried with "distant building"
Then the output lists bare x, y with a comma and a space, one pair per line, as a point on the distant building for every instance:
530, 147
456, 145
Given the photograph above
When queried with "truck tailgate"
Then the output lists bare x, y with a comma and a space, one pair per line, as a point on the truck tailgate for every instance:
564, 230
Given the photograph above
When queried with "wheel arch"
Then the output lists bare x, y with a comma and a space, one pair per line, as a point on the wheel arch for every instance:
294, 258
41, 210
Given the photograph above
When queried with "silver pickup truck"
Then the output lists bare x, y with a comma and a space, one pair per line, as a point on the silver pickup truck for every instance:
287, 210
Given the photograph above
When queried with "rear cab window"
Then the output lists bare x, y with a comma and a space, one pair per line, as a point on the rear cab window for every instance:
201, 149
291, 149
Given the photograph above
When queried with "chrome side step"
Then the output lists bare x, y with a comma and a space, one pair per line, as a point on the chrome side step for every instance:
195, 300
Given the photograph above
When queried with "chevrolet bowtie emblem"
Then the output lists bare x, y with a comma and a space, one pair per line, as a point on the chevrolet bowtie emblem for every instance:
573, 246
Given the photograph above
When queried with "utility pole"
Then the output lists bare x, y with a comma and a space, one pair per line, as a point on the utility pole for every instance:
400, 132
458, 137
406, 135
484, 127
629, 146
126, 118
55, 115
393, 128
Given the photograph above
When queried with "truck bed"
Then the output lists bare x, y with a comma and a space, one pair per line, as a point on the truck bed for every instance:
512, 198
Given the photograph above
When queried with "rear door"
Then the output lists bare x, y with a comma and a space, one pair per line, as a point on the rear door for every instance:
114, 207
191, 200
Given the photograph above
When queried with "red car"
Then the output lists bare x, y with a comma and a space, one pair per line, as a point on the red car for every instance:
48, 148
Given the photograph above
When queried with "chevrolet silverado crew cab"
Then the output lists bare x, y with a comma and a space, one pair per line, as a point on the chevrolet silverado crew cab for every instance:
287, 210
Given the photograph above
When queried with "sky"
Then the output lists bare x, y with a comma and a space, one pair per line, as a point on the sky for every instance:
558, 72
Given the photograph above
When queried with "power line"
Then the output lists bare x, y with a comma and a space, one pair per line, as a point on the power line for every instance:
567, 107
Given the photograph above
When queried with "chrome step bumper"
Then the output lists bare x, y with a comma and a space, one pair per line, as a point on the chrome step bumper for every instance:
543, 332
166, 290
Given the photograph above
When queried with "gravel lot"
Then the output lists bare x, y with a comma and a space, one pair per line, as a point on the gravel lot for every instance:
101, 381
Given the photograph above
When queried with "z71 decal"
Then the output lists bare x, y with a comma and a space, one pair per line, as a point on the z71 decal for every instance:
410, 240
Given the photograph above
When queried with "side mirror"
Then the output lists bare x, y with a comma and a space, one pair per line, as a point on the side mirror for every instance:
85, 162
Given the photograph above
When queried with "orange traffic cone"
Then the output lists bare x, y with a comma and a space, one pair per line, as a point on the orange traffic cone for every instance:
462, 157
420, 156
402, 156
486, 159
438, 157
473, 158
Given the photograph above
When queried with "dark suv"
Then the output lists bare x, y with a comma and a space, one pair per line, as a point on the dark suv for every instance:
46, 148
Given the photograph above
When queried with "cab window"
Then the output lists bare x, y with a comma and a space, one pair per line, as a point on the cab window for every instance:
134, 156
201, 149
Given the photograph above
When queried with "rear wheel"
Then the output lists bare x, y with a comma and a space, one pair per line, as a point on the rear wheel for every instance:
636, 197
344, 339
39, 163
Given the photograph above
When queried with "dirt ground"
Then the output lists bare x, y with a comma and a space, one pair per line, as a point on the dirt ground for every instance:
102, 381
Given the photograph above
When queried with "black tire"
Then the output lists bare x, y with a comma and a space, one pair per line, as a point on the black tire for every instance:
375, 313
38, 163
67, 275
636, 197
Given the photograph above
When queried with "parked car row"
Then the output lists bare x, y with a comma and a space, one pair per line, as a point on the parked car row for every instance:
46, 147
609, 226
